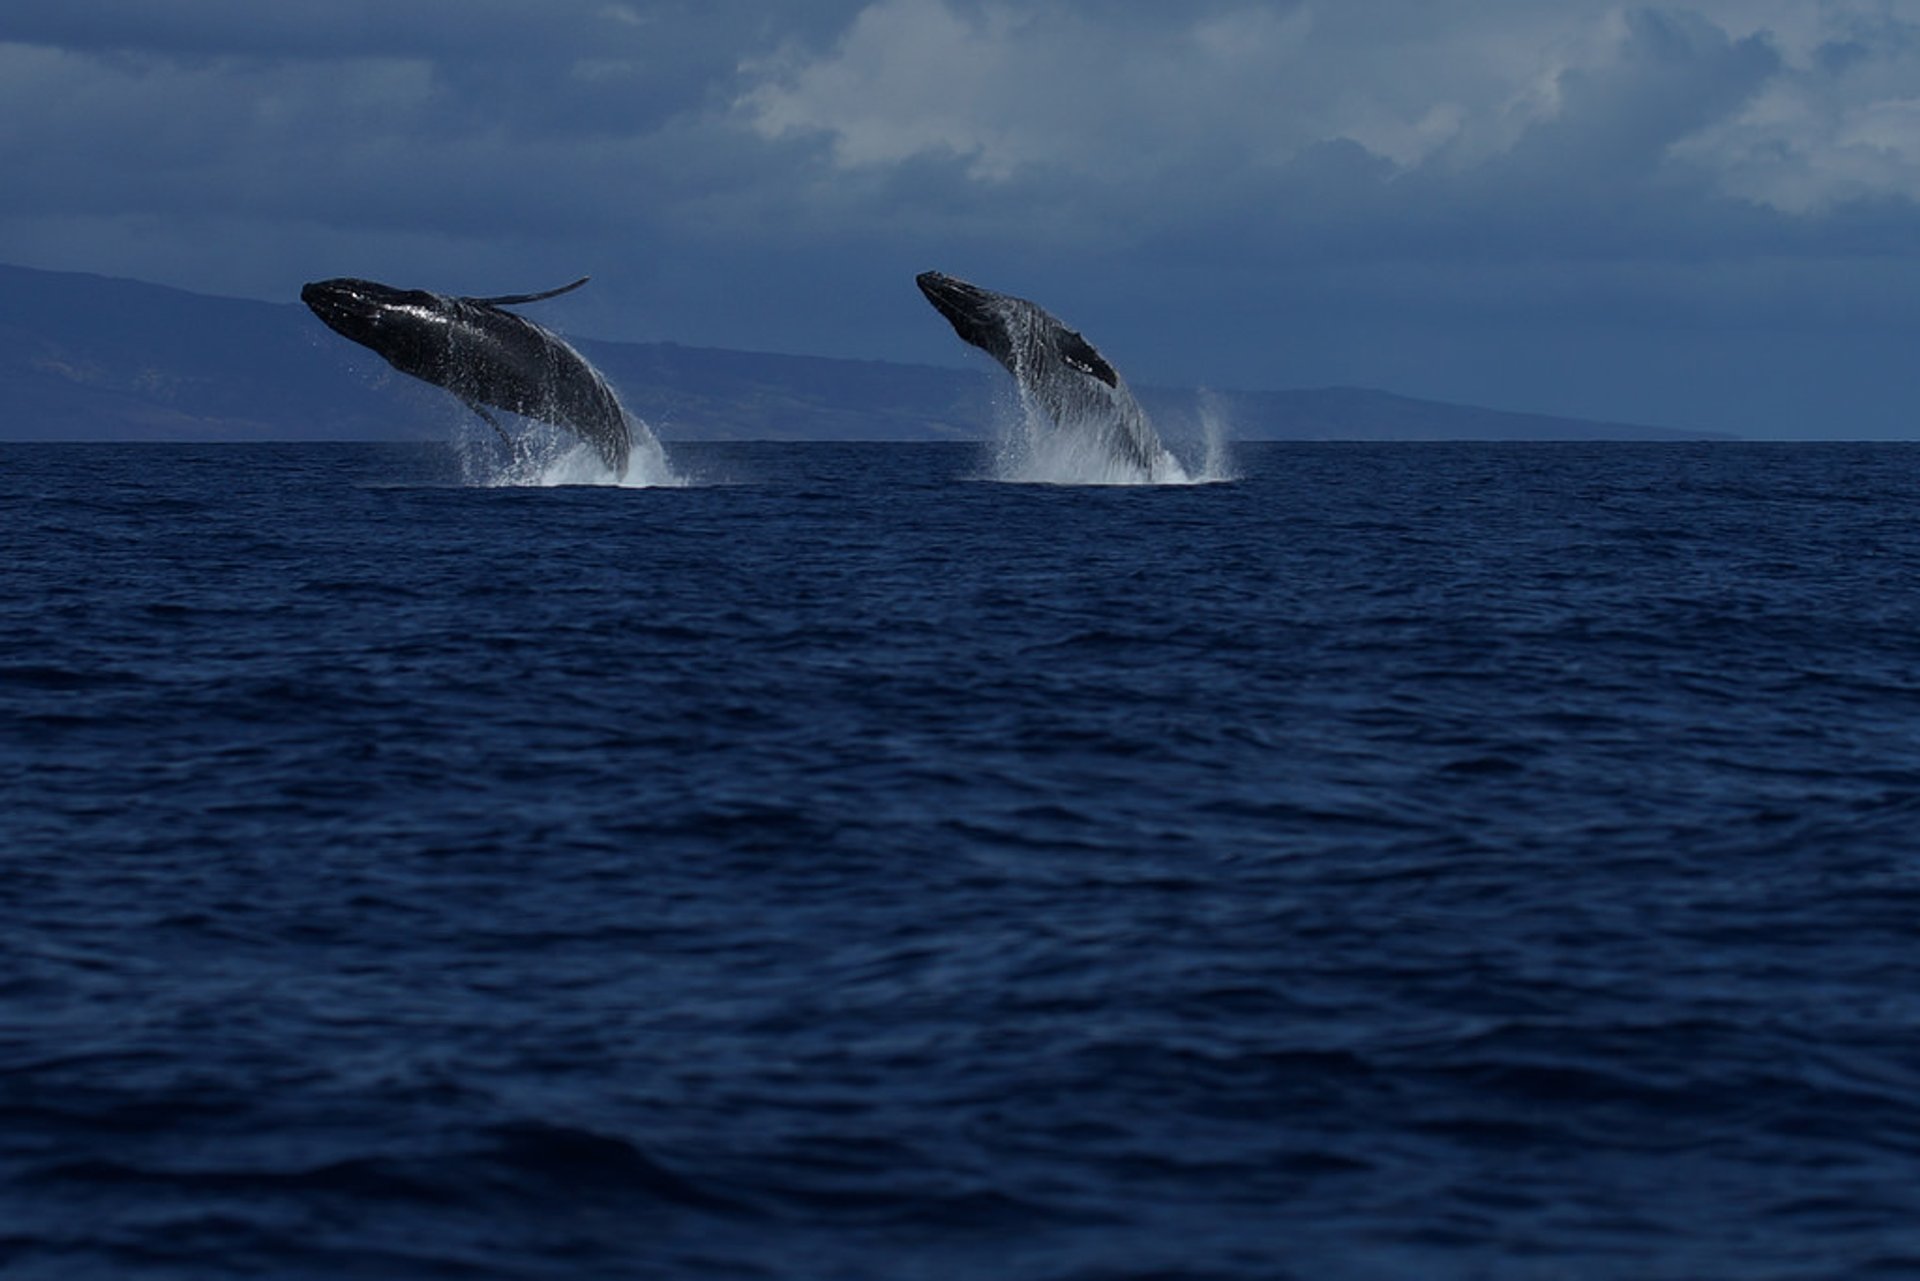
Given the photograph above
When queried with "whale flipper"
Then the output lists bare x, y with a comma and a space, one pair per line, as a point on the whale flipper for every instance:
509, 300
1079, 353
487, 418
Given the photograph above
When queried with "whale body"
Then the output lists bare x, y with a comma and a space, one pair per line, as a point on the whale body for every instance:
484, 355
1055, 367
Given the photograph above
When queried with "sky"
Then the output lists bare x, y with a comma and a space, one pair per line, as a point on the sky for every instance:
1701, 214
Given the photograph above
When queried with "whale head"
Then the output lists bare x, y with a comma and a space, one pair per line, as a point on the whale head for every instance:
1000, 324
978, 315
372, 314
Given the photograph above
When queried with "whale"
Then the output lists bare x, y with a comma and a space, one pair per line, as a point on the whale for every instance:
488, 357
1054, 367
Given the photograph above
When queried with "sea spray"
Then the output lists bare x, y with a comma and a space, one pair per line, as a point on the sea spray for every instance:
543, 456
1056, 439
1216, 423
1029, 447
543, 453
1066, 456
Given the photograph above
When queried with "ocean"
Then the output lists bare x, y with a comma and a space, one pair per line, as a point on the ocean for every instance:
1394, 861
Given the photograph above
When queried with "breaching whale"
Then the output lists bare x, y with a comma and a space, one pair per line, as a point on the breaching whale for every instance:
1054, 366
483, 355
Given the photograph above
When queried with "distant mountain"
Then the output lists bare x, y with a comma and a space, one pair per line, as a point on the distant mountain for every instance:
89, 358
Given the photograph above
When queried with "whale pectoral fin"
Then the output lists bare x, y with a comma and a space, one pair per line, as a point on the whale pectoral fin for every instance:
508, 300
492, 422
1079, 354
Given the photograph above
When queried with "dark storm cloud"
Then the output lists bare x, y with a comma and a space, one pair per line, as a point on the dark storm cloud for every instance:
1244, 191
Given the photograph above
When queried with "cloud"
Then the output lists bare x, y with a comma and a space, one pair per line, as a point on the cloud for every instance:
1800, 116
1010, 87
1202, 185
1839, 124
1096, 124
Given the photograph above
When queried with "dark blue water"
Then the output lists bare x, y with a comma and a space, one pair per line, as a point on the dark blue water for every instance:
1405, 861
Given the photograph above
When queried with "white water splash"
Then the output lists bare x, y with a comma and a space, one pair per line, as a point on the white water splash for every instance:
1066, 428
544, 456
1031, 448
